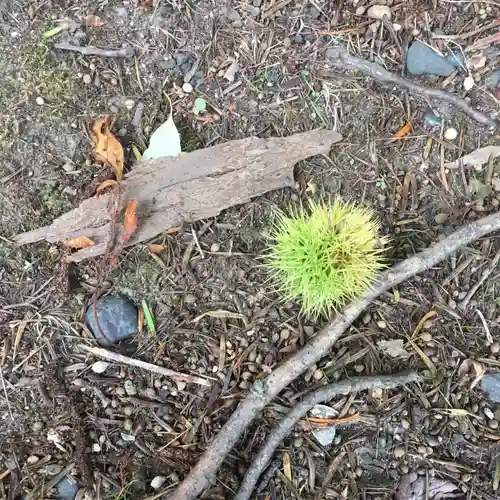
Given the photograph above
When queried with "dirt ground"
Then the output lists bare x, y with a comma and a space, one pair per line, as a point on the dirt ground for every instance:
59, 417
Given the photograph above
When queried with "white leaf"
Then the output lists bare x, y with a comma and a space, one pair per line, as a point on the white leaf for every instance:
393, 348
157, 482
165, 141
100, 366
468, 83
230, 73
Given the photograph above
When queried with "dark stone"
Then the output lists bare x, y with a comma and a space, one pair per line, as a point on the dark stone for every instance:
298, 39
117, 318
422, 60
67, 488
490, 384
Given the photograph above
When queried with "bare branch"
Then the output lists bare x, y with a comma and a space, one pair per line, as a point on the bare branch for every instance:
263, 391
90, 50
285, 425
341, 58
119, 358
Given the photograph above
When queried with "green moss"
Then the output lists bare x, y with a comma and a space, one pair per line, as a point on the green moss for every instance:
52, 202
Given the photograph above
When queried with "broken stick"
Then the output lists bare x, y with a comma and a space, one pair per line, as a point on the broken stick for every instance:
190, 187
90, 50
264, 391
339, 57
119, 358
285, 425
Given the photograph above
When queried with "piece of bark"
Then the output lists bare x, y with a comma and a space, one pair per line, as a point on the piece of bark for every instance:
188, 188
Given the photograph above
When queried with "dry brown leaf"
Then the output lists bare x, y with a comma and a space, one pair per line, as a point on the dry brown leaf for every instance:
156, 248
107, 148
477, 158
404, 130
93, 21
110, 183
130, 220
79, 243
471, 369
287, 466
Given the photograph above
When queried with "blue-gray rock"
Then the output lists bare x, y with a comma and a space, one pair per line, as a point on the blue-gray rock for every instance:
490, 384
422, 60
492, 80
117, 318
431, 118
67, 488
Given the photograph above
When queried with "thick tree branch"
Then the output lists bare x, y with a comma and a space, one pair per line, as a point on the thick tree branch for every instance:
285, 425
263, 391
339, 57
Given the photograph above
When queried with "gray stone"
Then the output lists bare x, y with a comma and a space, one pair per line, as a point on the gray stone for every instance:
431, 118
490, 384
117, 318
492, 80
422, 60
67, 488
298, 39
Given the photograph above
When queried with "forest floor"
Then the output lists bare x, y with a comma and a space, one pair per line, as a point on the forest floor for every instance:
261, 68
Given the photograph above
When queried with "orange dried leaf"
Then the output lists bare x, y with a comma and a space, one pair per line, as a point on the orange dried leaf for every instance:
130, 220
107, 148
79, 243
156, 248
140, 320
93, 21
110, 183
404, 130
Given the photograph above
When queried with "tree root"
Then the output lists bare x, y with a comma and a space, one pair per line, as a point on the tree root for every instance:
339, 57
285, 425
263, 391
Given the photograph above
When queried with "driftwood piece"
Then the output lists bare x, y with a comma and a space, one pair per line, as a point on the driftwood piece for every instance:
193, 186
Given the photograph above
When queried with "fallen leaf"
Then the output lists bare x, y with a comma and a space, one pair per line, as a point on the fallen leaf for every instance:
165, 140
79, 243
93, 21
393, 348
156, 248
287, 466
477, 158
220, 313
107, 148
137, 153
130, 220
470, 368
230, 73
149, 318
110, 183
55, 31
404, 130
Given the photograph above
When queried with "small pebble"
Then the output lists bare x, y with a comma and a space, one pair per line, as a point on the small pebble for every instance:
39, 100
187, 87
422, 450
450, 134
381, 324
366, 318
399, 452
78, 382
128, 410
318, 374
87, 79
100, 366
426, 337
287, 42
215, 247
37, 426
96, 447
433, 441
68, 167
493, 424
378, 12
359, 368
189, 298
157, 482
495, 348
405, 424
130, 388
441, 218
298, 442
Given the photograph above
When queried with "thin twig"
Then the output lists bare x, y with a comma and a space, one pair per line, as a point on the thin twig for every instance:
340, 57
119, 358
263, 391
484, 277
90, 50
467, 34
285, 425
6, 396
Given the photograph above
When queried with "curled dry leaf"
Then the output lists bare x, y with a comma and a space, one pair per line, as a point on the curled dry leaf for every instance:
130, 220
156, 248
109, 184
93, 21
404, 130
79, 243
107, 148
471, 369
477, 158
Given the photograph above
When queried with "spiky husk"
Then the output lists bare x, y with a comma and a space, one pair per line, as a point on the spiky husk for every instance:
326, 255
